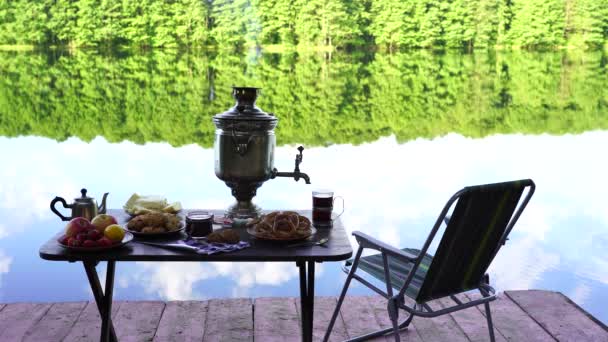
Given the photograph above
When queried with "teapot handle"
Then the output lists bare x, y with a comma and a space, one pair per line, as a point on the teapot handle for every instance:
65, 205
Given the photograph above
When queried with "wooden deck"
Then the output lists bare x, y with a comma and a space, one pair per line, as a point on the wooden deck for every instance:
518, 316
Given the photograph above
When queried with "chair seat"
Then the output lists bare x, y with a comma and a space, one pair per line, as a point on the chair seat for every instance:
399, 270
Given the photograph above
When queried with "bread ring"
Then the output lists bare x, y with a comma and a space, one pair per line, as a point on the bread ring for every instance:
283, 225
293, 218
271, 216
304, 224
263, 227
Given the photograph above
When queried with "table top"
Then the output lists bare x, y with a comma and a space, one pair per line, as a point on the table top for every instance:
337, 248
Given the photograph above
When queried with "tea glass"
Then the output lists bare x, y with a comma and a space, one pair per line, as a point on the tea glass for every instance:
322, 208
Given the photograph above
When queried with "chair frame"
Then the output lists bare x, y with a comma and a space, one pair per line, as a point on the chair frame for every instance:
396, 302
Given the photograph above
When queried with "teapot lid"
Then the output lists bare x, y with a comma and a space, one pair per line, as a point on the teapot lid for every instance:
83, 197
245, 111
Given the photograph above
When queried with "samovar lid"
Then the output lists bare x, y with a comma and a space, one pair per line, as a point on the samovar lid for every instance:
245, 110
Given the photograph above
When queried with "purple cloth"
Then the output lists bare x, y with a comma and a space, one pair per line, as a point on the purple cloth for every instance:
205, 247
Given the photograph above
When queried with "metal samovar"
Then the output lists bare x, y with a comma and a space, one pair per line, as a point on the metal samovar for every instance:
244, 151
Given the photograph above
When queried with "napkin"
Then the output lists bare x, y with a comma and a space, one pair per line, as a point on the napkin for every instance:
205, 247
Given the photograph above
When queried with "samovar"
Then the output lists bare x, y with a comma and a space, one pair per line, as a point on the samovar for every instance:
244, 151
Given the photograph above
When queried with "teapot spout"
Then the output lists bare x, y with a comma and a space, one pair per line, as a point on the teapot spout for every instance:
102, 206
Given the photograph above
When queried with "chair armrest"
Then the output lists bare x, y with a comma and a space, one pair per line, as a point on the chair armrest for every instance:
367, 241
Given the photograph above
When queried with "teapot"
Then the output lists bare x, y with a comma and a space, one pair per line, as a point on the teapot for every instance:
82, 207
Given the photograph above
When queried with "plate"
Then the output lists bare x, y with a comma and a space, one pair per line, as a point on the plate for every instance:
128, 237
155, 235
132, 214
252, 232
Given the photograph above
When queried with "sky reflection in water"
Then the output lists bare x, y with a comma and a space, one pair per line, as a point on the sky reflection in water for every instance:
392, 191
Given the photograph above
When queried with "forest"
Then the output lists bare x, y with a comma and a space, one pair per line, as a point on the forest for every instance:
335, 24
171, 96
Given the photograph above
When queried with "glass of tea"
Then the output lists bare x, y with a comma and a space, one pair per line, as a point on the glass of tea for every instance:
323, 206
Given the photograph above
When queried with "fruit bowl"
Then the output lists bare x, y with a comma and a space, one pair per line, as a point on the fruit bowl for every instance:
126, 239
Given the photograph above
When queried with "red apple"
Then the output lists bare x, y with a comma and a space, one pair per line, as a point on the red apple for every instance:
94, 235
77, 225
64, 240
73, 242
90, 243
104, 241
101, 221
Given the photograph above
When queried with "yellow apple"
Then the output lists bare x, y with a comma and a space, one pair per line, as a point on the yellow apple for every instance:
101, 221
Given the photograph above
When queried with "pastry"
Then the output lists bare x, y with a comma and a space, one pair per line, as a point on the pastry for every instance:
154, 223
224, 236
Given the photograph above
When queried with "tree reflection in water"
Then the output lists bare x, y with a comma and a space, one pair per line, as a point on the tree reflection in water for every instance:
320, 99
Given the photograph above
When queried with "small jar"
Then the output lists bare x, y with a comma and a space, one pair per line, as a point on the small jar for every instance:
199, 223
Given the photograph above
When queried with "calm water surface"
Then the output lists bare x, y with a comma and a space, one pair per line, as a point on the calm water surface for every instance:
408, 133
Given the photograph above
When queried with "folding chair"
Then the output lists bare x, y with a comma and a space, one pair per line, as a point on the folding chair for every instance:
479, 225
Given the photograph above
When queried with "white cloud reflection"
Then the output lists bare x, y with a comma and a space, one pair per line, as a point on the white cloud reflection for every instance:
392, 191
5, 264
177, 280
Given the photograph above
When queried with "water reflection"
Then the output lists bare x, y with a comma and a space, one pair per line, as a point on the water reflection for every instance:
167, 96
392, 191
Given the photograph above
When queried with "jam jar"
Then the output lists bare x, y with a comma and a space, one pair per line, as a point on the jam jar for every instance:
199, 223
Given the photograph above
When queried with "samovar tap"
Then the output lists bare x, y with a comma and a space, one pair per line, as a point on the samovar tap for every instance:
296, 174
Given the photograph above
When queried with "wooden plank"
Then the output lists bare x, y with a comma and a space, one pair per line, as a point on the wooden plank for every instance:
182, 321
359, 317
88, 325
137, 321
559, 316
440, 328
17, 319
57, 322
512, 322
471, 321
229, 320
324, 308
276, 319
378, 304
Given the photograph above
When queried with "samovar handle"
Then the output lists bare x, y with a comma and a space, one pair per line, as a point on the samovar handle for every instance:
240, 147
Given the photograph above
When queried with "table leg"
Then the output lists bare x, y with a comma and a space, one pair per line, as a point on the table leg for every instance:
104, 302
311, 297
307, 295
303, 293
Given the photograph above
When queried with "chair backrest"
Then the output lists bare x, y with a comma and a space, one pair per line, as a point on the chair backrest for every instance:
483, 217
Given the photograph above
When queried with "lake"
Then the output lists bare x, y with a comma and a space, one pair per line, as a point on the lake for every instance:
395, 135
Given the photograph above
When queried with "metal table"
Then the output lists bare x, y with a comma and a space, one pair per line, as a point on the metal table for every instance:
338, 248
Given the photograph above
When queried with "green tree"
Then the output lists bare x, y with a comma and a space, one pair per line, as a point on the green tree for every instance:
136, 27
585, 22
234, 23
537, 23
393, 23
29, 21
192, 22
486, 18
277, 19
63, 21
332, 23
162, 24
432, 14
89, 22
